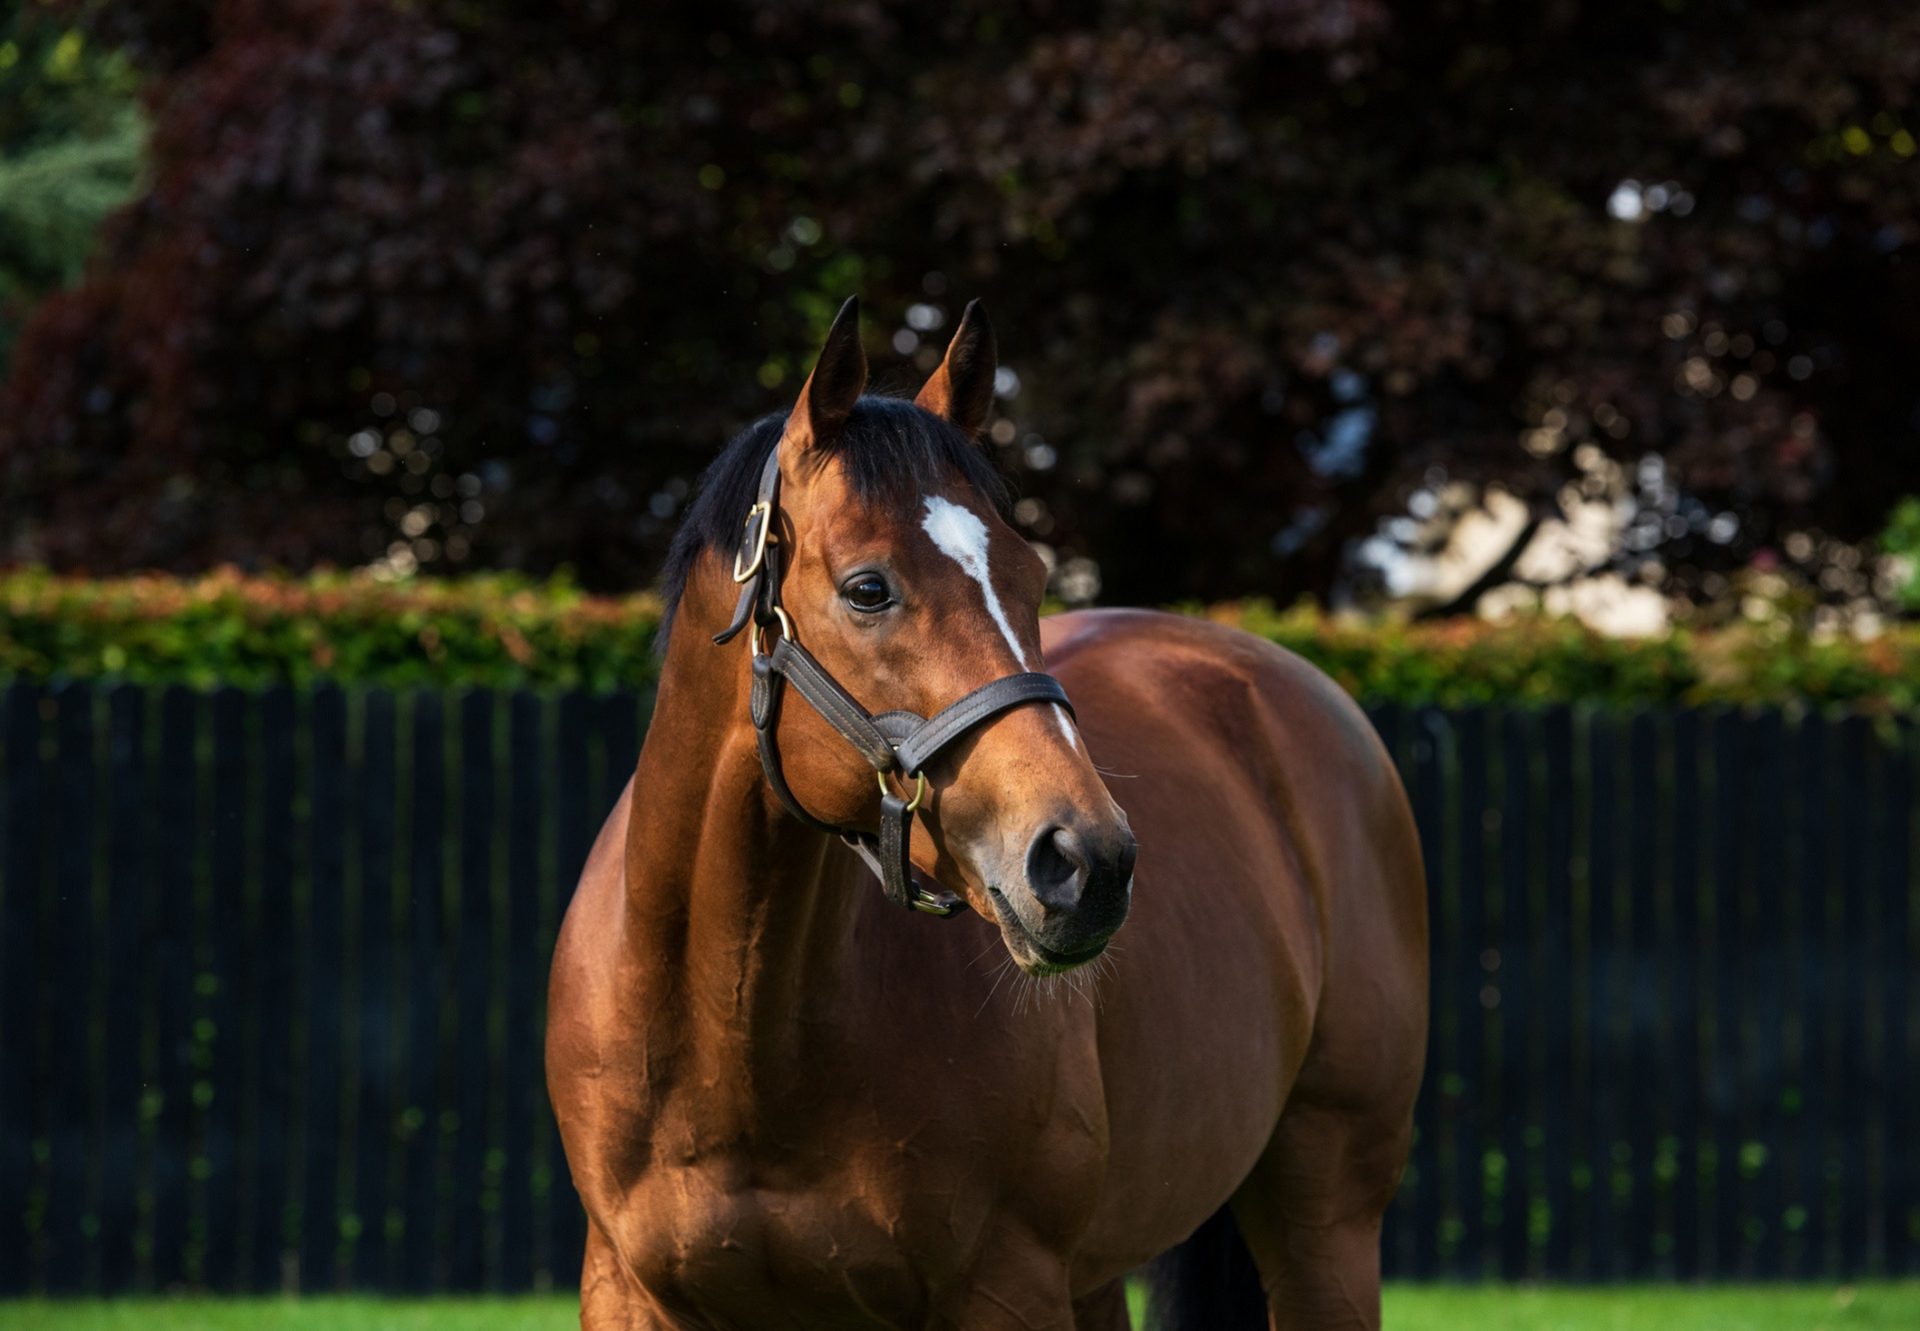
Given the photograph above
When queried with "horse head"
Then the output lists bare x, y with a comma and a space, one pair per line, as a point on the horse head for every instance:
898, 574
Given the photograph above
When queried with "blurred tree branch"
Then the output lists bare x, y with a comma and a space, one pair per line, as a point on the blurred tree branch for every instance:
450, 284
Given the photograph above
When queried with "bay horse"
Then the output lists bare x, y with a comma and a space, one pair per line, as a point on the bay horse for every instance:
789, 1102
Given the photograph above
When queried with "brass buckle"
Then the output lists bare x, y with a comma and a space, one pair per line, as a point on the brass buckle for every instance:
919, 789
764, 512
753, 634
932, 903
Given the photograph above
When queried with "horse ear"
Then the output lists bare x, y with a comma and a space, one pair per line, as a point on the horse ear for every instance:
838, 379
962, 388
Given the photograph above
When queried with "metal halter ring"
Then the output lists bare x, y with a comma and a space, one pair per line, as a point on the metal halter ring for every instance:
745, 567
919, 789
753, 634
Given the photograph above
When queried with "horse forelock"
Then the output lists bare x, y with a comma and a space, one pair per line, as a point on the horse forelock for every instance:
890, 454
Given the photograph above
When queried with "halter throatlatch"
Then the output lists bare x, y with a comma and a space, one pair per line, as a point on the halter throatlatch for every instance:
892, 742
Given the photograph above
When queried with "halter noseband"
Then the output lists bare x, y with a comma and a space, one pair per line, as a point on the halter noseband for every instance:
892, 741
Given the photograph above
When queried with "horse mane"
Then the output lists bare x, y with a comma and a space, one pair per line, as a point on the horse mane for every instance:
890, 451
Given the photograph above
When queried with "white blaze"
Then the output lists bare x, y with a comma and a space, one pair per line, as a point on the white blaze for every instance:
962, 537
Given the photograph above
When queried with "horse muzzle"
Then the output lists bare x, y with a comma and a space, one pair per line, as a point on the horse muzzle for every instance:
1070, 897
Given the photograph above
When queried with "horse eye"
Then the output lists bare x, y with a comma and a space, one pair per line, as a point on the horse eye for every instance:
867, 593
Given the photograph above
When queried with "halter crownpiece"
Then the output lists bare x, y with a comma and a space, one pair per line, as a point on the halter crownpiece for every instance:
898, 741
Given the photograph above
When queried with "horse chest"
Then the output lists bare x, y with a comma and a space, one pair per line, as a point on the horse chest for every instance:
717, 1249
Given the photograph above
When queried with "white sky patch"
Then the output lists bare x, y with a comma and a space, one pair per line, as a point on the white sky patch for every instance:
962, 537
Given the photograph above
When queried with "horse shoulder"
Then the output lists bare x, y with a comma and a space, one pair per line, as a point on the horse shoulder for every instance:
595, 1077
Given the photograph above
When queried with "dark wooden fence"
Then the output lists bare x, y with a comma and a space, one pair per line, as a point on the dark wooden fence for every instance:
272, 978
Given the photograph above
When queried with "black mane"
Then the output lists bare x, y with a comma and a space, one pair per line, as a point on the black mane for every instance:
890, 452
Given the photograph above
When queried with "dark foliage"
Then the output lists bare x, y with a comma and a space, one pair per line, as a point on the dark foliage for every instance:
456, 282
70, 138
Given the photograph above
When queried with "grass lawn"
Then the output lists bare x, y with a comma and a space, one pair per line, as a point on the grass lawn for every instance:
1882, 1307
318, 1314
1873, 1307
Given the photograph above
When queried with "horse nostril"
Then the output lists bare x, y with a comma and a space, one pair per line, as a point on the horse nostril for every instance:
1057, 867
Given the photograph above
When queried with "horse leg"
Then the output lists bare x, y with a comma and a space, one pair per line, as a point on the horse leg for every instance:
1016, 1284
608, 1299
1310, 1214
1103, 1310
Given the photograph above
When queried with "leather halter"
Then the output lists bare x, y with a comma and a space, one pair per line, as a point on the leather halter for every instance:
897, 741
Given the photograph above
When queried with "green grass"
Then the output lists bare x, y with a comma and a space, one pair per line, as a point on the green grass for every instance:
1882, 1307
319, 1314
1876, 1307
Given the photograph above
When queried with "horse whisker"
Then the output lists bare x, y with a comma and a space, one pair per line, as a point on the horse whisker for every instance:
998, 976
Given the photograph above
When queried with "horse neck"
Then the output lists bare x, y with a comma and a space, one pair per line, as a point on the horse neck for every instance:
729, 932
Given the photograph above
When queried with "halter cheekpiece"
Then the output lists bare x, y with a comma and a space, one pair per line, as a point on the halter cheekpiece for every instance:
899, 741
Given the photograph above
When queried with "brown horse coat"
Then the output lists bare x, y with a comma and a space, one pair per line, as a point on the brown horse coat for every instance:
787, 1103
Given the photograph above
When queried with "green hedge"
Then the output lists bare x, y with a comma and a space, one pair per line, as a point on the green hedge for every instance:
502, 631
228, 628
1560, 660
